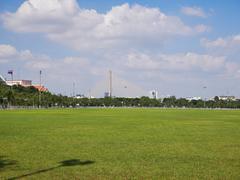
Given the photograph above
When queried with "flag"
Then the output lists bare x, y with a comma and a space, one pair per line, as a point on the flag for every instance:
40, 72
10, 72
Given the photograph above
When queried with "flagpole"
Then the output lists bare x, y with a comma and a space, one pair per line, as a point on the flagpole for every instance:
12, 77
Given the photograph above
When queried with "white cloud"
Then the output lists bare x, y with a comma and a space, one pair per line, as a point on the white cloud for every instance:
39, 16
7, 51
194, 11
188, 61
227, 42
141, 61
65, 22
123, 38
38, 65
232, 67
220, 42
59, 72
135, 66
76, 61
228, 47
202, 28
26, 55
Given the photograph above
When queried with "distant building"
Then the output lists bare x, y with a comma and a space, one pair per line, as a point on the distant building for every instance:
79, 96
25, 83
40, 88
227, 98
153, 94
193, 98
106, 94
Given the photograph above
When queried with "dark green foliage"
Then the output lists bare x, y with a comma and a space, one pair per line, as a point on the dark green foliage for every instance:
29, 96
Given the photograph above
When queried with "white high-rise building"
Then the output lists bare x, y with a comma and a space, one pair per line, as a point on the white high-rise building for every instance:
153, 94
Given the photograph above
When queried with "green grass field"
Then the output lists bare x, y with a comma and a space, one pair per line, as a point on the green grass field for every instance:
120, 144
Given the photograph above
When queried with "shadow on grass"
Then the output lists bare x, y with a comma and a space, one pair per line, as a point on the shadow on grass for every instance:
6, 163
66, 163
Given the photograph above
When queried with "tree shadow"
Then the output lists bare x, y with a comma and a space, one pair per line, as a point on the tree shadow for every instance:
65, 163
75, 162
6, 163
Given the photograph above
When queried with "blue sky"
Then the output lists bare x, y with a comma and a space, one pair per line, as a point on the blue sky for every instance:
175, 47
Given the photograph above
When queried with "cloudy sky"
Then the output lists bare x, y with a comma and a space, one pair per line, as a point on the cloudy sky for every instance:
176, 47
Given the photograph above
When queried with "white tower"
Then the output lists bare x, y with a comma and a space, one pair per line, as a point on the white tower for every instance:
110, 83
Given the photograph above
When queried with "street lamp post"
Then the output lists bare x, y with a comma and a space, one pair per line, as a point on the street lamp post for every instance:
39, 90
204, 100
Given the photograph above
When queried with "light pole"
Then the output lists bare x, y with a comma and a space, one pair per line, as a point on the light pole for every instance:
73, 89
204, 100
110, 84
39, 90
11, 93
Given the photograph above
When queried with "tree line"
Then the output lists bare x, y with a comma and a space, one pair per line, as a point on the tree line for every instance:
31, 97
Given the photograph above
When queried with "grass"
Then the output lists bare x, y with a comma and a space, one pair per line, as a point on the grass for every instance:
120, 144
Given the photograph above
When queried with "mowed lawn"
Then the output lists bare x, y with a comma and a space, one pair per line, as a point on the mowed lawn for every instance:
120, 144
